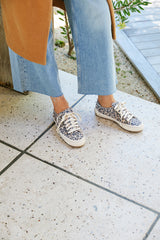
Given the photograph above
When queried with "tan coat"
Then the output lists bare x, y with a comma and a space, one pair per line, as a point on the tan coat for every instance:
26, 24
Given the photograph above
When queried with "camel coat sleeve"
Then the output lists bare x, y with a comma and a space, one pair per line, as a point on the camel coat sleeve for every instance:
27, 24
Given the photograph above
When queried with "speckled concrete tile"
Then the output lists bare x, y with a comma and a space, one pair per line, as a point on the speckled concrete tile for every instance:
69, 86
24, 117
41, 202
155, 233
127, 163
7, 154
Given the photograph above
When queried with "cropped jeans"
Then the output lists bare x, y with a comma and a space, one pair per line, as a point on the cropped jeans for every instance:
90, 24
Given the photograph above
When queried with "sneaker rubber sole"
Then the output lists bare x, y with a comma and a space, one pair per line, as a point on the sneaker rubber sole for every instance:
73, 143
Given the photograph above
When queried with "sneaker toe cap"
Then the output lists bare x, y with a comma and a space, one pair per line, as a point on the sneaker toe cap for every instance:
76, 135
135, 121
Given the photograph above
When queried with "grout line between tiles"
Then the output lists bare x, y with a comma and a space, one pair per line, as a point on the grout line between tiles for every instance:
78, 101
11, 163
151, 227
46, 130
11, 146
50, 126
20, 150
24, 151
94, 184
77, 176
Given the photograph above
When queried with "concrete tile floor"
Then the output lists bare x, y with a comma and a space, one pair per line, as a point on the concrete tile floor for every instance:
28, 116
109, 189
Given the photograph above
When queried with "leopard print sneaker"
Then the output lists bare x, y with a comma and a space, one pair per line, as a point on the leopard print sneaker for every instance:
68, 128
119, 114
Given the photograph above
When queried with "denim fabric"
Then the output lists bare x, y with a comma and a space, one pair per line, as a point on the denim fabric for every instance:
35, 77
91, 30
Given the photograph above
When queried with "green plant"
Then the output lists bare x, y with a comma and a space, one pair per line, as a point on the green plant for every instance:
59, 43
122, 10
66, 31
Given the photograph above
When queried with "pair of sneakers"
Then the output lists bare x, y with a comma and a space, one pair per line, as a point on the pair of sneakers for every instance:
69, 130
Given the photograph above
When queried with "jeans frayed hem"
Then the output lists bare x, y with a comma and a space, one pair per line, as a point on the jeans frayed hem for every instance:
38, 91
102, 93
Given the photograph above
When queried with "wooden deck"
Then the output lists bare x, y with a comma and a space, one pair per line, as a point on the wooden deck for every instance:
140, 41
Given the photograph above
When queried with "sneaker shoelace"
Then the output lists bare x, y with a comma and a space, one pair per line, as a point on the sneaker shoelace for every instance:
122, 110
70, 122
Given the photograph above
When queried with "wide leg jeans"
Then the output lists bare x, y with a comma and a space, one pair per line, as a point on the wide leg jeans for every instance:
90, 24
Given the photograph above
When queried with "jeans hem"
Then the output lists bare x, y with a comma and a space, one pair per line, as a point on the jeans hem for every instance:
37, 91
104, 93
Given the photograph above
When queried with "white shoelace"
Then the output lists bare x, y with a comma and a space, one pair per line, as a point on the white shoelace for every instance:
70, 121
121, 109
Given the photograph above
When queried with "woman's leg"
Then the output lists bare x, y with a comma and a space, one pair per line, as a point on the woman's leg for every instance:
39, 78
91, 30
83, 29
59, 103
44, 79
90, 23
30, 76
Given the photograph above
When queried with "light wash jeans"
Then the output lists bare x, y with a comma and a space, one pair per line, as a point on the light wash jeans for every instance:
90, 23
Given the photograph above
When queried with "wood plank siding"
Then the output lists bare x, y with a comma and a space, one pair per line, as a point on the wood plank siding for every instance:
142, 43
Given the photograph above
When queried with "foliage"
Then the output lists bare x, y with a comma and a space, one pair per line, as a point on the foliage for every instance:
122, 10
59, 43
66, 31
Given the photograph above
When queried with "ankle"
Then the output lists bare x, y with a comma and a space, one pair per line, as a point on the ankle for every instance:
59, 103
106, 101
